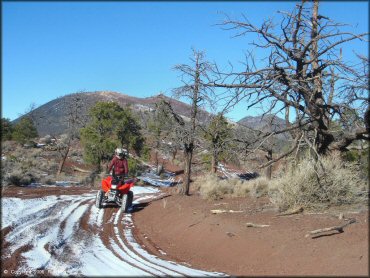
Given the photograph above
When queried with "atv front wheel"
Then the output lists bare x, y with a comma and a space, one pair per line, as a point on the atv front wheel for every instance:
99, 199
127, 201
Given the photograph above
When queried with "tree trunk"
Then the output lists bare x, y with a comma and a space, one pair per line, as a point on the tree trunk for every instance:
156, 158
188, 151
61, 164
214, 162
174, 153
269, 168
323, 138
188, 155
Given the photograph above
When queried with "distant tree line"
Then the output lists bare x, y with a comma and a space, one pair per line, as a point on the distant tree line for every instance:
21, 132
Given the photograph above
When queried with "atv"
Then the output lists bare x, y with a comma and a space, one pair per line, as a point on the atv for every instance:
115, 191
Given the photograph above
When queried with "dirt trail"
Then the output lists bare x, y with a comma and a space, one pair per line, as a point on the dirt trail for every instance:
184, 229
48, 232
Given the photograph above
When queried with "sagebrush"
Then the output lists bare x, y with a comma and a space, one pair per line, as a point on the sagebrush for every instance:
311, 184
319, 184
212, 187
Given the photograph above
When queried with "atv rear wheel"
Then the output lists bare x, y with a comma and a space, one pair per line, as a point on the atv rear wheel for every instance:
127, 201
99, 199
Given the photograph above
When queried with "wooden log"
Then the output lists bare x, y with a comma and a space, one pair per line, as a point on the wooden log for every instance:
294, 211
81, 170
218, 211
256, 225
334, 228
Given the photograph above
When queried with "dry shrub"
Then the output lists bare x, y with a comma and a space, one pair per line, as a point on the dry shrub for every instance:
242, 188
255, 187
316, 185
19, 178
8, 146
212, 187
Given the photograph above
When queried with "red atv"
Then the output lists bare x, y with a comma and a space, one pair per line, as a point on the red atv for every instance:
115, 190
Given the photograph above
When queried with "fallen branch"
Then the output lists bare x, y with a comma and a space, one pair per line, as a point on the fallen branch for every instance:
335, 228
81, 170
194, 224
220, 204
295, 211
257, 225
218, 211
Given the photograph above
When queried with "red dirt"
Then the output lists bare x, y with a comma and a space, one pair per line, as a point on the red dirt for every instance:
36, 192
185, 229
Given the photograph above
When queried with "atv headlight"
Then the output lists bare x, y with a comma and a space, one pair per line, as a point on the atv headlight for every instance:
114, 186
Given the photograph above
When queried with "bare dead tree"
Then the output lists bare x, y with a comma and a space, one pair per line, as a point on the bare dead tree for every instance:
305, 75
75, 119
30, 112
193, 77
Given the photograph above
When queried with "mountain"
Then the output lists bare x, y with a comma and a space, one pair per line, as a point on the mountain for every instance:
50, 118
267, 123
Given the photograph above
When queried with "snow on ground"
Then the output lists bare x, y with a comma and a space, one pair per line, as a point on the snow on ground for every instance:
155, 180
230, 173
144, 190
13, 207
48, 233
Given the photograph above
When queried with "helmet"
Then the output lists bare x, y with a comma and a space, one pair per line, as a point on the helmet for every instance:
120, 153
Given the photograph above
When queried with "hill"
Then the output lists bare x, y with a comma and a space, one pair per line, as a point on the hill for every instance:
50, 118
266, 123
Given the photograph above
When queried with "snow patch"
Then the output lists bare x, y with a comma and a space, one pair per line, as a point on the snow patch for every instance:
52, 224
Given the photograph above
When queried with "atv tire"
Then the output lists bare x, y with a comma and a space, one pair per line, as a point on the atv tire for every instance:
127, 201
99, 199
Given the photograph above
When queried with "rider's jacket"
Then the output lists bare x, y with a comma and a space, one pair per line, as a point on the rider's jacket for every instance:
120, 166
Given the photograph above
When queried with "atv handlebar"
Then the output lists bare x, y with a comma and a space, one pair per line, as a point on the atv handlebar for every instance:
125, 178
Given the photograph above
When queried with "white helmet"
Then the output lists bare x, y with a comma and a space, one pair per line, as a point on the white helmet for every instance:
120, 153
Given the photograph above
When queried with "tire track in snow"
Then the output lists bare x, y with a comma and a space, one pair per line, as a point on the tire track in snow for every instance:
116, 245
106, 238
36, 229
136, 258
34, 221
135, 251
68, 235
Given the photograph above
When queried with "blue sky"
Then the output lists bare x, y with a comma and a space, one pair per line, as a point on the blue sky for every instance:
50, 49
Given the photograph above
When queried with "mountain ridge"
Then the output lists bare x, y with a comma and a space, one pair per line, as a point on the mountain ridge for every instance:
50, 117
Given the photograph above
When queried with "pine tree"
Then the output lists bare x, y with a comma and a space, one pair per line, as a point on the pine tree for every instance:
110, 127
218, 135
6, 129
24, 130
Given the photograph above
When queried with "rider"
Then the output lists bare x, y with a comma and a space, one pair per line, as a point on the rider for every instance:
119, 162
